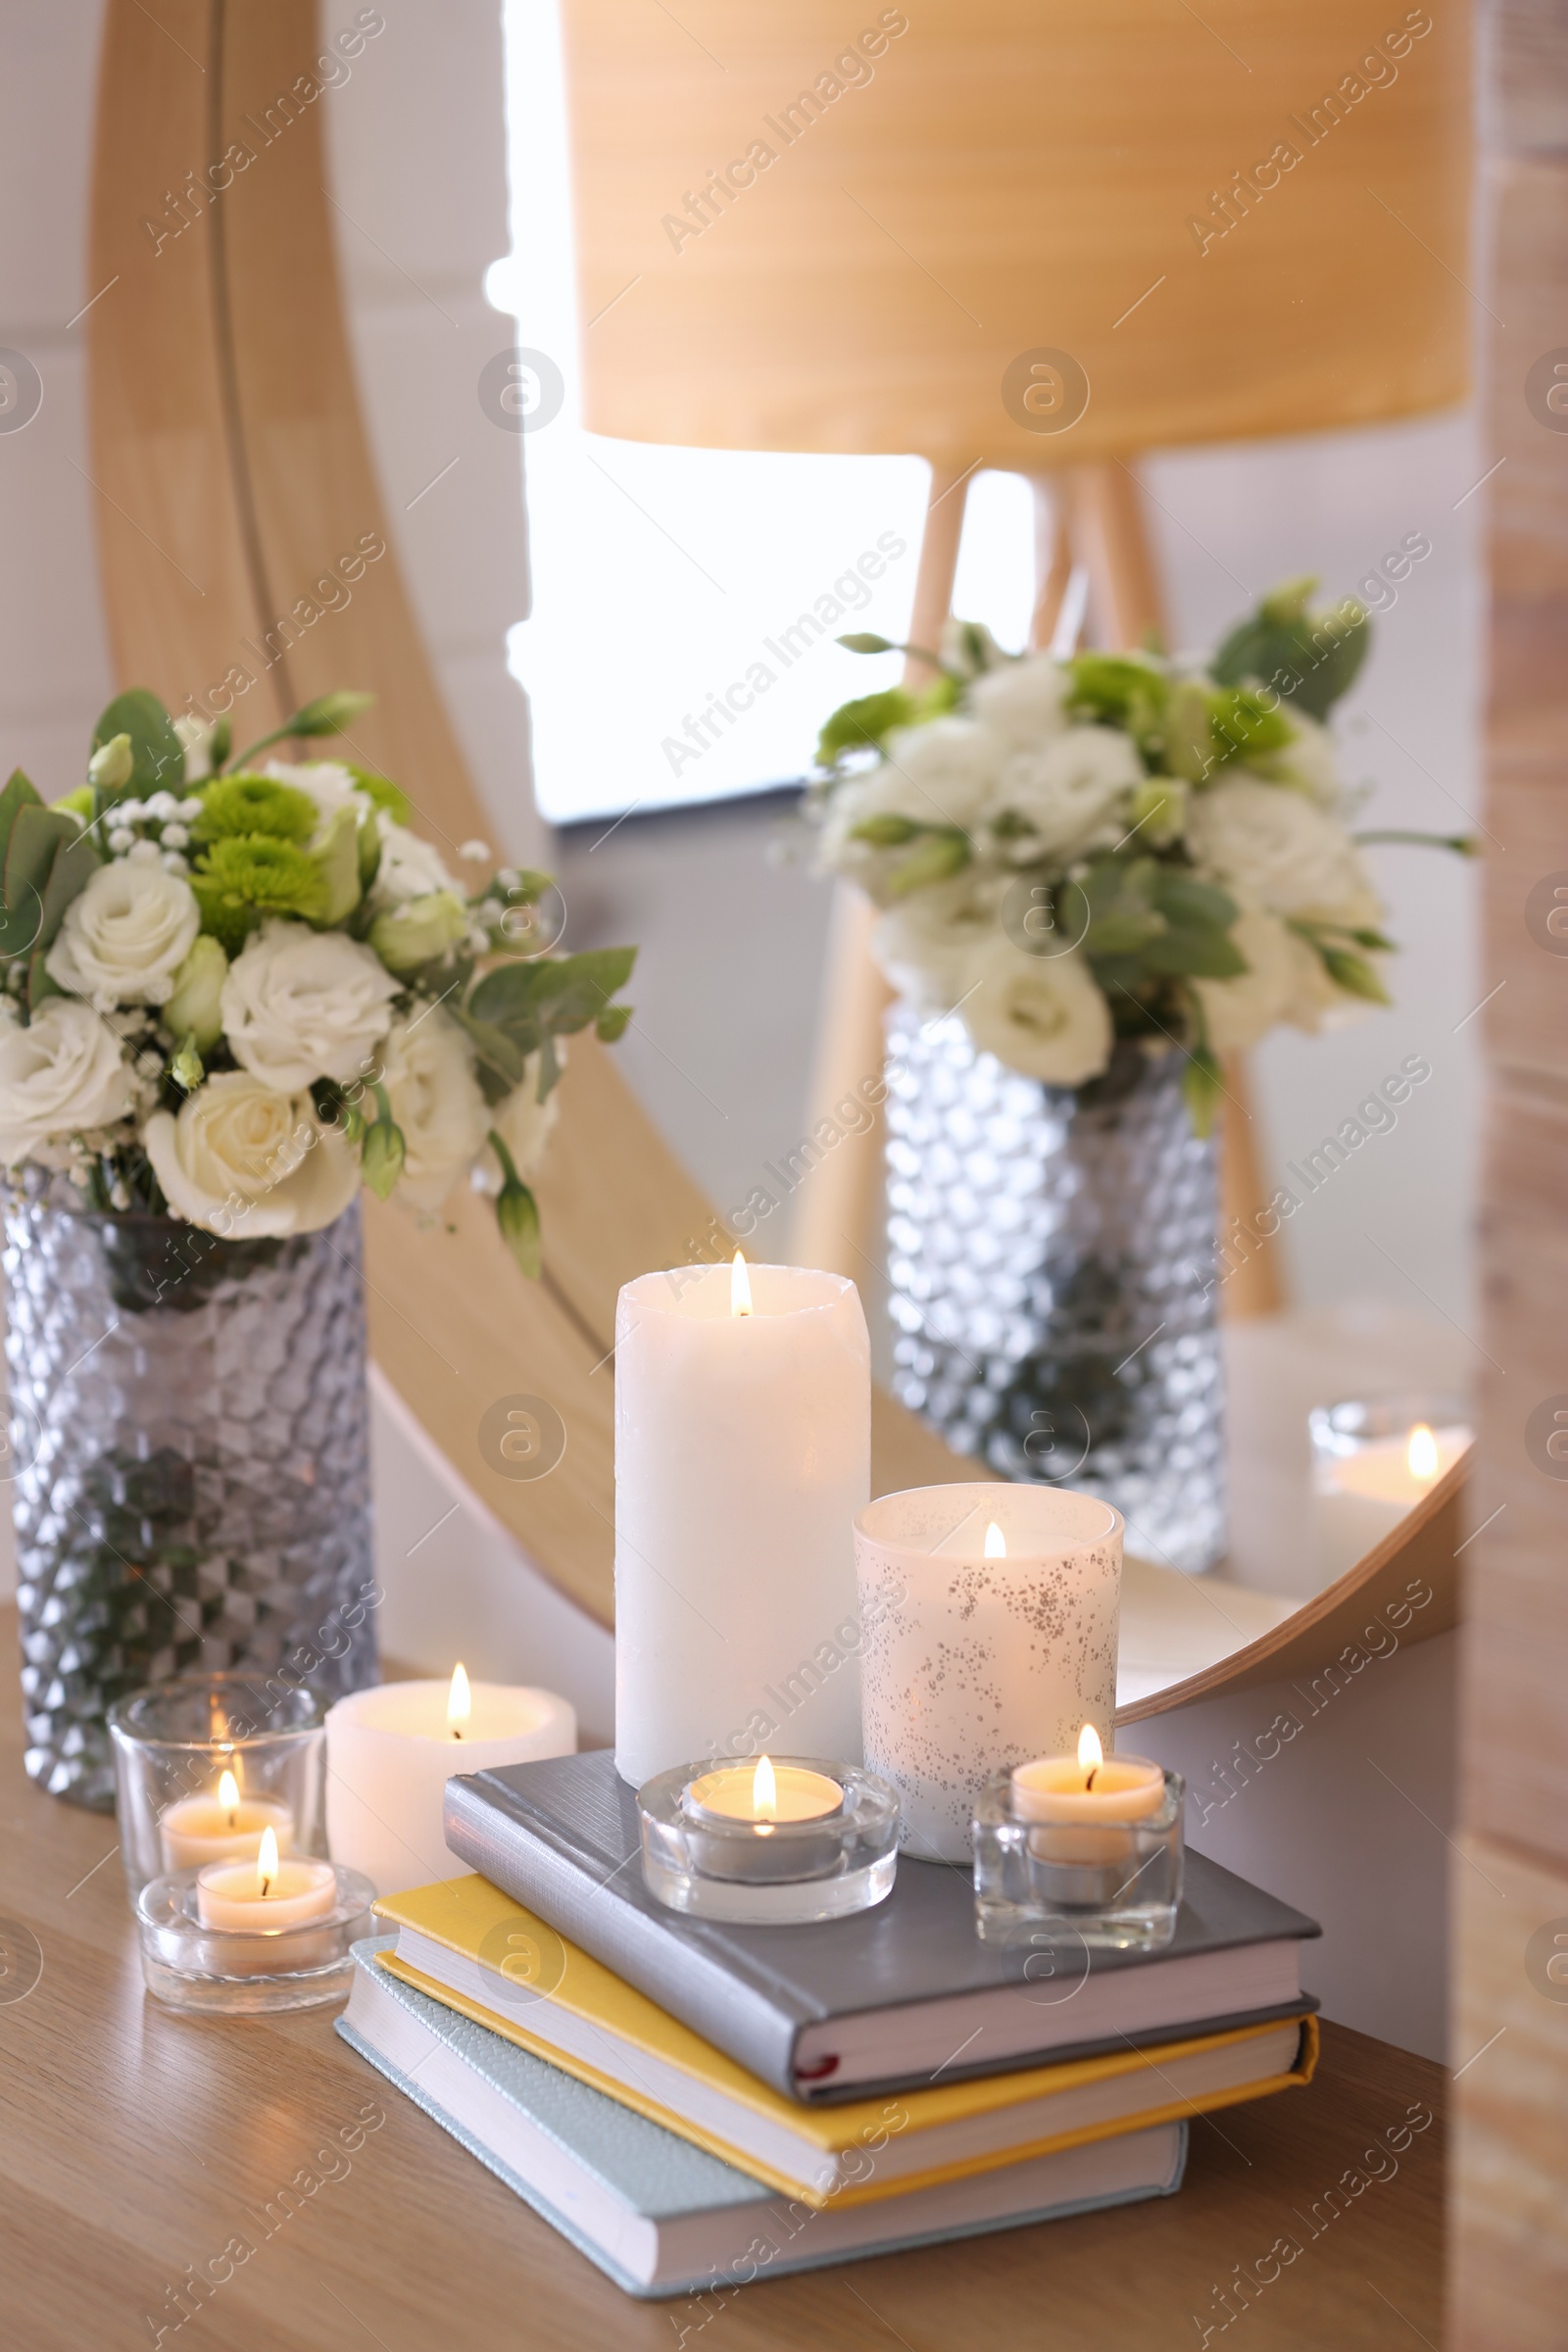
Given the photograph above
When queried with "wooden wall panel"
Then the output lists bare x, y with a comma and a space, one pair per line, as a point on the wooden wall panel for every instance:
1510, 2275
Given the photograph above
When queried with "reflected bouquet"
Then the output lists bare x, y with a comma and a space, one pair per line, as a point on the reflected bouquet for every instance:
234, 992
1070, 852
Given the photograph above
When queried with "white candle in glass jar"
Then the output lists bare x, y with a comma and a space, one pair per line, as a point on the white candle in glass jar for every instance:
222, 1826
266, 1892
743, 1451
390, 1752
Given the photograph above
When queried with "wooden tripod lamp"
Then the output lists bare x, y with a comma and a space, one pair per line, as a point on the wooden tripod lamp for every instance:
1042, 236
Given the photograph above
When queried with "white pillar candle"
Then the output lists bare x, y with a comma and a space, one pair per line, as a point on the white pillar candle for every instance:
990, 1616
743, 1451
390, 1752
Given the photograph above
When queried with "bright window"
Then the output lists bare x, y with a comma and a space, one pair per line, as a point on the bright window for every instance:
686, 601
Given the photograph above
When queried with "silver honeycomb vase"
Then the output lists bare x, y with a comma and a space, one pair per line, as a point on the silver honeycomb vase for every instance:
1050, 1255
189, 1439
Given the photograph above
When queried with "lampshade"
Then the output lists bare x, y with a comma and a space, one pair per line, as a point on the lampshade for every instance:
1018, 231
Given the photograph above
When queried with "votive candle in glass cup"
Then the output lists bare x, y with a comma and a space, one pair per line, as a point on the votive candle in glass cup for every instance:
208, 1763
989, 1616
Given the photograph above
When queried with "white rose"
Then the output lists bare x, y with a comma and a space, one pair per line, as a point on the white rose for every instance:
127, 935
65, 1074
1069, 790
245, 1162
438, 1103
924, 942
523, 1124
1041, 1014
410, 868
1279, 851
1023, 701
299, 1004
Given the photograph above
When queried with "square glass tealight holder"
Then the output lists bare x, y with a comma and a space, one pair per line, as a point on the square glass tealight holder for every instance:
778, 1843
1110, 1885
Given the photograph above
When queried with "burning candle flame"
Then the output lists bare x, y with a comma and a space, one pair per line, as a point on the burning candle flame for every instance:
228, 1795
764, 1790
460, 1701
267, 1863
1421, 1454
996, 1542
1091, 1755
740, 1287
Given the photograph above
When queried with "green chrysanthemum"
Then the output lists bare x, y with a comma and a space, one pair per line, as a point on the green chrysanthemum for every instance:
243, 879
249, 805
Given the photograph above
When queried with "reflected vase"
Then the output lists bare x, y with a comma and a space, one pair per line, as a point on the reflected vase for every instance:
1054, 1279
189, 1465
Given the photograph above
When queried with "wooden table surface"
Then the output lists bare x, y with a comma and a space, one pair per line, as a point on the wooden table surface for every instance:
136, 2143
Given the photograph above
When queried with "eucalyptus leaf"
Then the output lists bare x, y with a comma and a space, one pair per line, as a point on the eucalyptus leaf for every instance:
1197, 952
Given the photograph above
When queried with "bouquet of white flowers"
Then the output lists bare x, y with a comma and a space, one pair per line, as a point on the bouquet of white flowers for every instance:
233, 997
1070, 852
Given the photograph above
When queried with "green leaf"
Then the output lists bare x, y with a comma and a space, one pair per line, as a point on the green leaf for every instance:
1353, 974
939, 855
1183, 898
866, 641
157, 752
563, 995
612, 1023
37, 836
381, 1160
1125, 932
886, 832
864, 724
40, 982
1202, 1086
1197, 952
76, 861
219, 744
500, 1055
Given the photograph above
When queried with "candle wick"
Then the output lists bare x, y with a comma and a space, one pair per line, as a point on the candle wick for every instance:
456, 1733
1089, 1784
267, 1888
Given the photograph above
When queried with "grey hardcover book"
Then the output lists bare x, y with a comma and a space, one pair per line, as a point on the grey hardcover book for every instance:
886, 2000
663, 2218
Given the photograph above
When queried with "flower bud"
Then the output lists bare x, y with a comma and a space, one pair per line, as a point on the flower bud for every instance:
112, 765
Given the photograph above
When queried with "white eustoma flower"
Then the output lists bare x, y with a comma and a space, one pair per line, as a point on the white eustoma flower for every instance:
299, 1004
1023, 701
327, 782
938, 775
65, 1074
1072, 791
1041, 1014
437, 1102
246, 1162
1238, 1013
196, 741
524, 1125
125, 935
410, 868
1278, 851
1307, 764
924, 941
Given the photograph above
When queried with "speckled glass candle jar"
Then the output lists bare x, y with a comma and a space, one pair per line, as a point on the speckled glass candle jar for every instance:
989, 1622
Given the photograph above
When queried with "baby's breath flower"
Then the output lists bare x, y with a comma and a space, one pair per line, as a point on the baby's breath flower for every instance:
121, 840
163, 805
175, 837
143, 853
476, 852
175, 864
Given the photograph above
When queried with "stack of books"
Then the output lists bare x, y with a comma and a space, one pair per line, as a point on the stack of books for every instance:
696, 2105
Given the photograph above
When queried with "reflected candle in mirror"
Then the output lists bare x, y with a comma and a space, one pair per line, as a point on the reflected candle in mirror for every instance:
1365, 1485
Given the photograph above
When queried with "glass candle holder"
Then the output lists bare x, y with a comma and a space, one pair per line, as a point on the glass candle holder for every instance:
206, 1764
788, 1840
1111, 1884
195, 1956
1374, 1458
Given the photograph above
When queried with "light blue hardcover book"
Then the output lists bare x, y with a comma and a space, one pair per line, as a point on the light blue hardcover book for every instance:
663, 2218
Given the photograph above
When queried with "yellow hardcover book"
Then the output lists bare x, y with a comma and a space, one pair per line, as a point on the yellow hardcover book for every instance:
466, 1944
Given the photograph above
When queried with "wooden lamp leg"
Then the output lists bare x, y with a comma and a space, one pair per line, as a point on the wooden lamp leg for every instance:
837, 1209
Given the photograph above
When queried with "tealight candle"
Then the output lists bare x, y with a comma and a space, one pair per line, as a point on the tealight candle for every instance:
763, 1793
265, 1893
1373, 1463
1088, 1787
391, 1750
224, 1825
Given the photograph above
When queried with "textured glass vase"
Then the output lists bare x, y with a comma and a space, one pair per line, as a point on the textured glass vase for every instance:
1050, 1252
189, 1465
